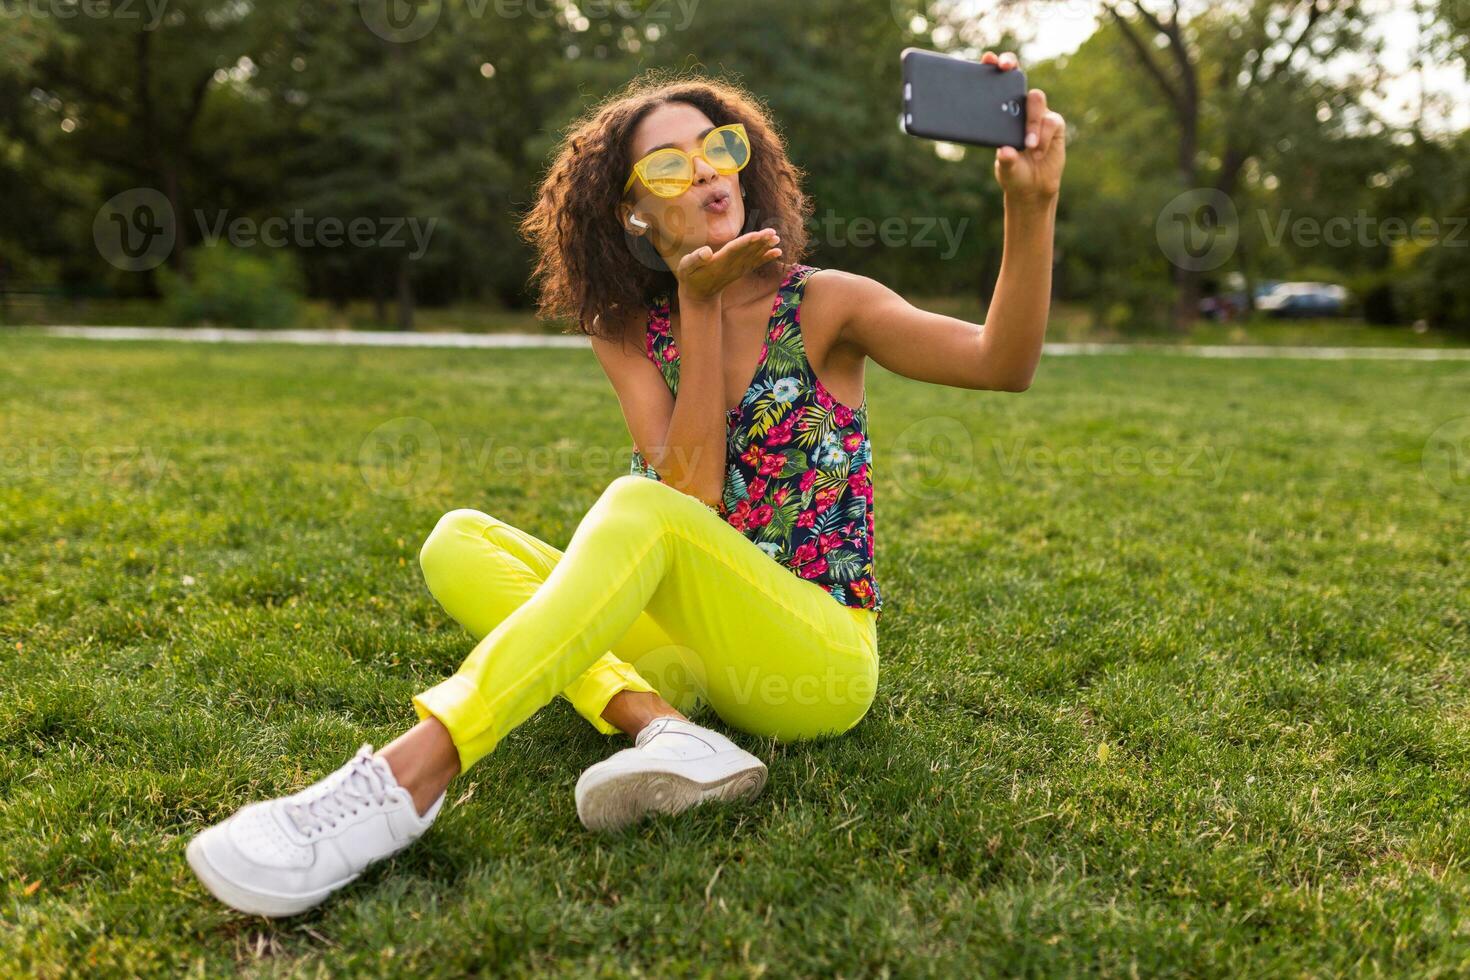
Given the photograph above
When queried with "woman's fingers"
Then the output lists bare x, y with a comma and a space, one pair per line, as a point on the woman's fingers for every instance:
989, 58
1008, 60
1051, 125
1035, 113
1005, 161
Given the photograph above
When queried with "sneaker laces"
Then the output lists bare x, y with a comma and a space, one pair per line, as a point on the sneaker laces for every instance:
360, 782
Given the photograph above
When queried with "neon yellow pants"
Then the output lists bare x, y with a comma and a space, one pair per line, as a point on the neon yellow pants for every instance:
655, 592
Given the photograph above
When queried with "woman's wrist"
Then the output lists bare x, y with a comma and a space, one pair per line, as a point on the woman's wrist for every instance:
691, 301
1031, 205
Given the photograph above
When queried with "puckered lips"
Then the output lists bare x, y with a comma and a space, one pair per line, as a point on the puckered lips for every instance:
716, 201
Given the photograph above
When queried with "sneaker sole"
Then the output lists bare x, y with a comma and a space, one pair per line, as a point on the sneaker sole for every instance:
613, 800
248, 901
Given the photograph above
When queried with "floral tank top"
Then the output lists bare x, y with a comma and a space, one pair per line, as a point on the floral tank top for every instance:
798, 478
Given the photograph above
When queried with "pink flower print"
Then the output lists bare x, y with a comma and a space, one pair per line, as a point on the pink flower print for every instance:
826, 497
863, 589
779, 497
780, 434
753, 456
669, 353
823, 399
806, 480
757, 488
842, 415
738, 516
761, 516
852, 441
806, 518
826, 542
814, 569
771, 464
776, 333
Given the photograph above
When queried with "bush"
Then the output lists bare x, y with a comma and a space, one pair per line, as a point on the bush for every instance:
233, 287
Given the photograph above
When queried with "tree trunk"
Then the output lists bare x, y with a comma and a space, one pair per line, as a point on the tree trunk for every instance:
405, 296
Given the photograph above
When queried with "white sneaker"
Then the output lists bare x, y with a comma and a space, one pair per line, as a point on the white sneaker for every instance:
283, 856
674, 764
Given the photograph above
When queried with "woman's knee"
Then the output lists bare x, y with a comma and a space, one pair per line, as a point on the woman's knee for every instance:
642, 496
454, 532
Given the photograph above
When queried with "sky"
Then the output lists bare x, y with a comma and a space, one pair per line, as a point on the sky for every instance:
1059, 27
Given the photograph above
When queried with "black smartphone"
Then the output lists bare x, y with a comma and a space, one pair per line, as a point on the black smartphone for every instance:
960, 101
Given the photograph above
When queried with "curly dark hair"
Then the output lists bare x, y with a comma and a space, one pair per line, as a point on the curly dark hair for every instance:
586, 265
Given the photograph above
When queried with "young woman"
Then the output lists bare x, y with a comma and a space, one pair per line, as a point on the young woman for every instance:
734, 565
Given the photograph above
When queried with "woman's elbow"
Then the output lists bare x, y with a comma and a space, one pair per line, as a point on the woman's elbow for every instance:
1010, 381
1017, 384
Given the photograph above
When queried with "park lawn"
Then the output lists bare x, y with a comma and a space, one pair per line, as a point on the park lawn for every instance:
1174, 675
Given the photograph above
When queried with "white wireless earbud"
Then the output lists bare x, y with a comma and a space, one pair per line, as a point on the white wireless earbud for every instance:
637, 222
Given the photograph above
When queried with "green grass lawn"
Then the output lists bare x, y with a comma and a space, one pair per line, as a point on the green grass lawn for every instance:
1174, 675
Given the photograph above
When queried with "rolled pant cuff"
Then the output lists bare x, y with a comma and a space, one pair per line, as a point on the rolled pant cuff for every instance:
456, 702
591, 692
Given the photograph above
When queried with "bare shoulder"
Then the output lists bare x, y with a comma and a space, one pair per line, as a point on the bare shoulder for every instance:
847, 288
625, 343
831, 299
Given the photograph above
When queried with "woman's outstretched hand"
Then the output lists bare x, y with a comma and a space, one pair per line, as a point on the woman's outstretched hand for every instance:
704, 273
1032, 175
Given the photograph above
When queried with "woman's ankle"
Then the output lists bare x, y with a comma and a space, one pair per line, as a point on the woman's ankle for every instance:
424, 760
631, 711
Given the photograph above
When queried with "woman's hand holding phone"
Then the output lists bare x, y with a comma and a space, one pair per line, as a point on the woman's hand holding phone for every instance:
1032, 176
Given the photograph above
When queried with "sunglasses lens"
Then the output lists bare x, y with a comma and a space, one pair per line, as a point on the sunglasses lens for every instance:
667, 174
727, 150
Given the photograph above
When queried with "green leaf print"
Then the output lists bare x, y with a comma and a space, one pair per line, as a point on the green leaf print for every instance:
815, 423
735, 488
844, 565
795, 463
783, 519
787, 356
768, 411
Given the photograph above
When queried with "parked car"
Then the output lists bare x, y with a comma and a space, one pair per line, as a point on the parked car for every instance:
1230, 305
1303, 299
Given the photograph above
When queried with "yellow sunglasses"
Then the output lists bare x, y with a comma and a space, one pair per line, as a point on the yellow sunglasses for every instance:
669, 172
